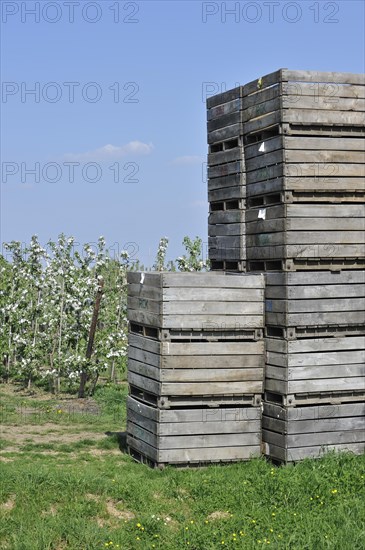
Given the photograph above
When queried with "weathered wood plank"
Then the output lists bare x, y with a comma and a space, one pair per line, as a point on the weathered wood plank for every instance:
224, 308
301, 104
234, 180
228, 255
313, 412
334, 238
222, 134
224, 109
315, 306
307, 184
304, 144
241, 294
220, 230
305, 251
212, 280
315, 386
228, 155
311, 345
221, 170
144, 356
150, 292
210, 388
227, 193
309, 426
218, 361
213, 348
215, 375
226, 216
226, 120
224, 97
322, 77
341, 357
308, 281
193, 441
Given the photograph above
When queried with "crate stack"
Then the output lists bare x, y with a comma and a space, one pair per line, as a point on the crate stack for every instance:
304, 161
226, 182
315, 363
195, 367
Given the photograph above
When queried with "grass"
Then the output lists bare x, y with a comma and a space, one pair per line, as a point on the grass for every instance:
84, 494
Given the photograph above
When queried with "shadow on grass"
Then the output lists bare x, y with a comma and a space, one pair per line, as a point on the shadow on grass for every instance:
121, 439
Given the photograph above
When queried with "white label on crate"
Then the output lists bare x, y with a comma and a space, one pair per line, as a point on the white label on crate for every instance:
262, 214
262, 147
142, 279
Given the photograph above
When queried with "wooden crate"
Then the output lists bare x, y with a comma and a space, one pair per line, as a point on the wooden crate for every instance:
226, 169
310, 366
304, 102
222, 103
310, 168
291, 434
227, 133
226, 151
292, 103
226, 247
299, 233
304, 304
188, 436
226, 231
227, 188
191, 369
196, 301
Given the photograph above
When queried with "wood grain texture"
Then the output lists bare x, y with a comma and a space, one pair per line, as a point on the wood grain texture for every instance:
193, 435
291, 434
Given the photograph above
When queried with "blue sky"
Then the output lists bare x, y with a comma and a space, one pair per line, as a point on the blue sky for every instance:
115, 132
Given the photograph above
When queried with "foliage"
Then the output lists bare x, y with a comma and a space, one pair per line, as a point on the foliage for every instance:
193, 260
46, 305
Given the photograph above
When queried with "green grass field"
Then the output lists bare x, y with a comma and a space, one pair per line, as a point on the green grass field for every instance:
67, 485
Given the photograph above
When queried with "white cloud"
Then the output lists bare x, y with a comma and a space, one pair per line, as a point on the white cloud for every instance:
112, 152
188, 159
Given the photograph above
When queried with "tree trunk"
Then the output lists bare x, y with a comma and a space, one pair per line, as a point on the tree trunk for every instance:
94, 320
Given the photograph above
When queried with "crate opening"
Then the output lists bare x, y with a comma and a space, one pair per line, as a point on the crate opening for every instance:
216, 148
231, 144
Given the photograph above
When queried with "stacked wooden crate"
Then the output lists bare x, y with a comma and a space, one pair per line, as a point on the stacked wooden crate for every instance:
195, 367
315, 363
305, 217
299, 164
226, 182
303, 167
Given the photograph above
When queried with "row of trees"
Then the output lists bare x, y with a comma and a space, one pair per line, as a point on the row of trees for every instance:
46, 306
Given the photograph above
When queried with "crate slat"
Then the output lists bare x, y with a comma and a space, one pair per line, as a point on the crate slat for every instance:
291, 434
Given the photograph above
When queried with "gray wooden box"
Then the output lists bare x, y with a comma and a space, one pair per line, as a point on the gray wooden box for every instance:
291, 434
307, 168
196, 301
289, 102
193, 435
309, 304
187, 370
304, 102
315, 367
298, 235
